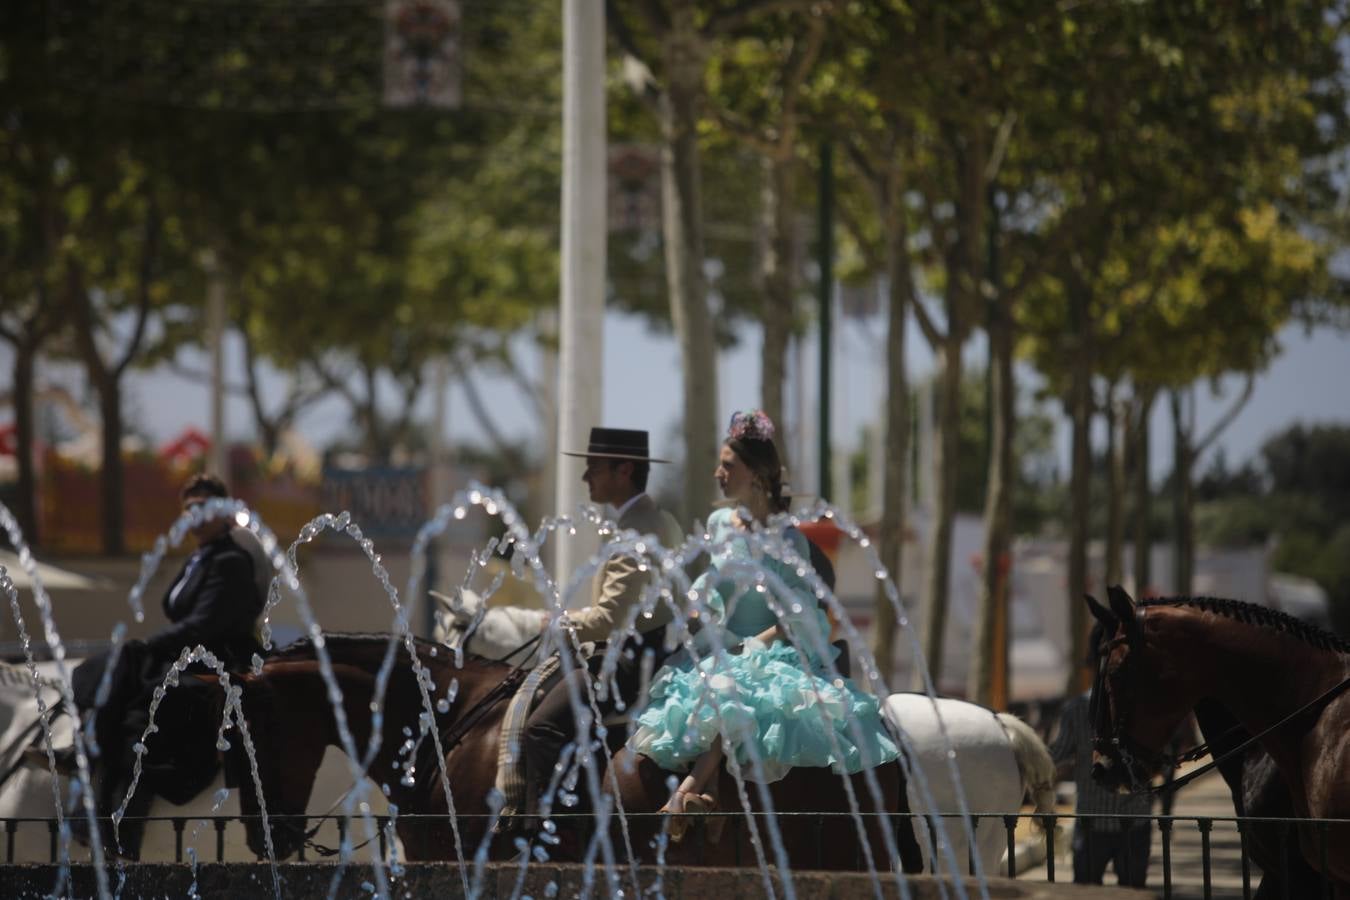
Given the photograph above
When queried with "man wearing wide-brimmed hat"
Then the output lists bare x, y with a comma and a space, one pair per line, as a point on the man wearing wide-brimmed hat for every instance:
617, 466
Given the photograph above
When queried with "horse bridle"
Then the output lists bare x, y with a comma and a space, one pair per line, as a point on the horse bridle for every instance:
1119, 747
1127, 752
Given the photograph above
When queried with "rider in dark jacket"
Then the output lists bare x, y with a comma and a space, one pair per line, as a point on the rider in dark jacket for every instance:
214, 601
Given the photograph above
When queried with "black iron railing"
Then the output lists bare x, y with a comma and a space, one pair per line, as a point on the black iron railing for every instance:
1166, 826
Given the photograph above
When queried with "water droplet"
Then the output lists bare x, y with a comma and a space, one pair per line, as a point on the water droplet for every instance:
222, 745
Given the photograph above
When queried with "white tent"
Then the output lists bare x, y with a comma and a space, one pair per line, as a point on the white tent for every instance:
52, 577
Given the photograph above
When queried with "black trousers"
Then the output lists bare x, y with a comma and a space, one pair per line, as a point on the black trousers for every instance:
553, 724
181, 758
1127, 851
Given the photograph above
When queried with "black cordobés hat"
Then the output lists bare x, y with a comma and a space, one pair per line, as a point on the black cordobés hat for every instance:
618, 443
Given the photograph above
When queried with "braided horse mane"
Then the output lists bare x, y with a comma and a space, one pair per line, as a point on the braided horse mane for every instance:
1261, 616
368, 649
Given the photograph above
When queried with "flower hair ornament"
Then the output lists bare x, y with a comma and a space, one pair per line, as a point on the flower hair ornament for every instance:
753, 424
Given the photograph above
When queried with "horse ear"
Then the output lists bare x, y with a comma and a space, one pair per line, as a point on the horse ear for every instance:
445, 600
1117, 594
1101, 613
1121, 604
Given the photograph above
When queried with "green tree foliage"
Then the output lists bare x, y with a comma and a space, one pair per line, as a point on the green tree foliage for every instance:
356, 241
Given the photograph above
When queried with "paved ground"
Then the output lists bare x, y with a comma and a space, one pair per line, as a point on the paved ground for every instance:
1207, 796
502, 880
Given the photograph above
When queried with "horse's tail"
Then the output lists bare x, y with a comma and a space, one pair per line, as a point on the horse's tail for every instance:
1033, 761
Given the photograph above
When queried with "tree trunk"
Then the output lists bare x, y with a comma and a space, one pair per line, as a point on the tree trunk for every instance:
1183, 526
965, 271
778, 269
894, 501
111, 477
937, 572
1080, 413
1143, 493
1115, 488
989, 662
269, 429
369, 413
26, 501
106, 382
682, 229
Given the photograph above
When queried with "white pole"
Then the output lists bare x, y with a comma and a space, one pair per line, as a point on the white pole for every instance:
215, 329
438, 486
548, 428
583, 260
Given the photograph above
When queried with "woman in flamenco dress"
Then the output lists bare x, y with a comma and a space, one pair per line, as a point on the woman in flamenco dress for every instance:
772, 693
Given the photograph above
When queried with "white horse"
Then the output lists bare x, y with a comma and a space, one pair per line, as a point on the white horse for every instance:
27, 793
461, 620
1000, 761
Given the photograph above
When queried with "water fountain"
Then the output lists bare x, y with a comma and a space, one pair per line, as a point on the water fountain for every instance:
601, 859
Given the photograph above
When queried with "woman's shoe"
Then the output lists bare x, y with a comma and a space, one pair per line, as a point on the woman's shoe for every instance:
679, 808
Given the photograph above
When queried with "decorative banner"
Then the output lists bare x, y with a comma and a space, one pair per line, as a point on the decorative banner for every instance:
634, 188
422, 53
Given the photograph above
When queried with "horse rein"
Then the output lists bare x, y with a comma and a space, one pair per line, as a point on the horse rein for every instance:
26, 737
452, 736
449, 740
1316, 704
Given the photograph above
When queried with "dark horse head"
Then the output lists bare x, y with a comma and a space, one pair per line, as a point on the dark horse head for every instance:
1136, 702
1282, 680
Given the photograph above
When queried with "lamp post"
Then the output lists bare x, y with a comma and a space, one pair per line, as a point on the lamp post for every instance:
581, 322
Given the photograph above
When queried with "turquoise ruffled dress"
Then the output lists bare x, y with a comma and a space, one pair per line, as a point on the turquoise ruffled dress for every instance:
766, 701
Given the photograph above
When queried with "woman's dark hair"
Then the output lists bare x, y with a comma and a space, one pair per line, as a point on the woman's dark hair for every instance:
761, 458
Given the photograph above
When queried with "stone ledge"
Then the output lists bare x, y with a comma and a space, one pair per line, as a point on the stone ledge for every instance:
442, 880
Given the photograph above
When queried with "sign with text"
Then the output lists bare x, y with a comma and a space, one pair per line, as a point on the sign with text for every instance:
383, 501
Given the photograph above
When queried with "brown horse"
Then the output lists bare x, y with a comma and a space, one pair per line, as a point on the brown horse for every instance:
292, 724
1282, 679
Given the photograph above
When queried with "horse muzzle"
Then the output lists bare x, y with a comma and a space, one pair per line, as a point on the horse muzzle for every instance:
1109, 773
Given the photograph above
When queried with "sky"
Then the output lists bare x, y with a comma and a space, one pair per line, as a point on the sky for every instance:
1306, 383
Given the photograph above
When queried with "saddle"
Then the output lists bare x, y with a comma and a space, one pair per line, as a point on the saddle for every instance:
510, 761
